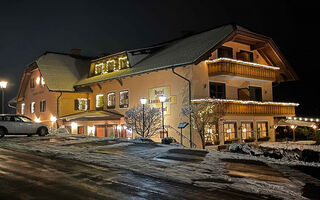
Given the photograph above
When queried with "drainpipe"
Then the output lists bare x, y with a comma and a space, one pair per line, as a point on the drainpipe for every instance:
189, 84
58, 103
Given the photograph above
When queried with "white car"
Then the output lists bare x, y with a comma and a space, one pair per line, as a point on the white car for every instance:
11, 124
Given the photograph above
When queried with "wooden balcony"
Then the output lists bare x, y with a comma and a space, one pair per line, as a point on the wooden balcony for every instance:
230, 67
239, 107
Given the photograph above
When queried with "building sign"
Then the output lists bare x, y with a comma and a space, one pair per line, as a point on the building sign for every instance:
154, 101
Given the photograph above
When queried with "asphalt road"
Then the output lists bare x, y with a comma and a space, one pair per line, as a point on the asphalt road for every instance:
25, 176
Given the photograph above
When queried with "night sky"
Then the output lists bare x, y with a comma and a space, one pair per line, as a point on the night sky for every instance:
29, 28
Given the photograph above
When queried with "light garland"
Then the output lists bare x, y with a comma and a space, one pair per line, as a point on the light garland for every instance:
242, 62
304, 119
116, 63
245, 102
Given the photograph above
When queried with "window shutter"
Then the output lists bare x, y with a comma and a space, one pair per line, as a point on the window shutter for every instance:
76, 104
88, 104
44, 106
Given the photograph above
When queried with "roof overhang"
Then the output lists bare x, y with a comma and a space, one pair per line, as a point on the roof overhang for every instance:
92, 116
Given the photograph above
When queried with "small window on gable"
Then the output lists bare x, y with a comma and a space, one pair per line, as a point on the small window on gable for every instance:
124, 99
111, 100
99, 102
225, 52
32, 83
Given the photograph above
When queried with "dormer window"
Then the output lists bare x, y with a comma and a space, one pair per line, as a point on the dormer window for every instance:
225, 52
42, 83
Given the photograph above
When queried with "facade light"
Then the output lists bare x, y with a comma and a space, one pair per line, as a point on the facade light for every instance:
3, 84
53, 119
143, 101
37, 120
162, 99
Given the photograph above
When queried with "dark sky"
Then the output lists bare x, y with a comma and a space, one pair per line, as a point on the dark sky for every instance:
29, 28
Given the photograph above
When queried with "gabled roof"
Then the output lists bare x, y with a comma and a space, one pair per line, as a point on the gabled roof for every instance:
62, 71
181, 52
196, 48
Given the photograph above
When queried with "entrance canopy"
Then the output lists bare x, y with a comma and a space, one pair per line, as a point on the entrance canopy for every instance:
92, 116
290, 122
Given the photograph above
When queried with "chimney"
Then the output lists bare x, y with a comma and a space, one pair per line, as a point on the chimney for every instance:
75, 51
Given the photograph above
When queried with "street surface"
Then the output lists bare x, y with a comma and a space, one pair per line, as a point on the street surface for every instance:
26, 176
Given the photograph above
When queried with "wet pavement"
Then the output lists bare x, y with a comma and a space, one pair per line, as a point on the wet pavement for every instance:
25, 176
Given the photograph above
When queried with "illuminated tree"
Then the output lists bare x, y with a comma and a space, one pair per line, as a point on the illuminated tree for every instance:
152, 120
204, 112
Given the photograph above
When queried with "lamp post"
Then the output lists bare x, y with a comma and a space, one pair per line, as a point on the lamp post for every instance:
293, 132
3, 85
162, 100
143, 101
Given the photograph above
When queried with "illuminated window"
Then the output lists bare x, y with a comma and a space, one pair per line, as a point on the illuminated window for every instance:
99, 101
123, 63
111, 65
124, 99
247, 130
229, 130
43, 106
22, 108
32, 107
81, 104
111, 100
98, 68
262, 129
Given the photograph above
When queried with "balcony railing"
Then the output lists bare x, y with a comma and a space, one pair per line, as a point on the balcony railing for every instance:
239, 107
231, 67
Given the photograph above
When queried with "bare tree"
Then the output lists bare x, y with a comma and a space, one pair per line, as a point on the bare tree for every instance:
204, 112
152, 120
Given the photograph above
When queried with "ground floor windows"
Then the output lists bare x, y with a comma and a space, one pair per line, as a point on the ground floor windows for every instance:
43, 106
81, 130
210, 134
247, 131
230, 131
262, 129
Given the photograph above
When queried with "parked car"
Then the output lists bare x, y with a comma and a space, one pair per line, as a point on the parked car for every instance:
11, 124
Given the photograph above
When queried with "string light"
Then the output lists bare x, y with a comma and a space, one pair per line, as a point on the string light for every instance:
242, 62
245, 102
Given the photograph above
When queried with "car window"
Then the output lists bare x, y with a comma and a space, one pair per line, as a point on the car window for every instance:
17, 119
25, 119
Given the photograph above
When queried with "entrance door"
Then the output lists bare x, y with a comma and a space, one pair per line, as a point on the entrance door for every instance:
100, 130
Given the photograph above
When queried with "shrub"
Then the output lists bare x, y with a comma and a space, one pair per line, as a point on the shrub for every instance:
266, 138
168, 140
250, 139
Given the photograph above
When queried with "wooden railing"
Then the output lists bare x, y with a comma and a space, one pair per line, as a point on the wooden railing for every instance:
243, 69
239, 107
257, 109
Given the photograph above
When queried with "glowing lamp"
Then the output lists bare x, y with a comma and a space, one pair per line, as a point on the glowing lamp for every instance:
244, 130
292, 126
37, 120
53, 119
38, 80
143, 101
3, 84
162, 99
74, 125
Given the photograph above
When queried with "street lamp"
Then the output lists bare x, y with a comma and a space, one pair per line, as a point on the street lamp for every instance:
162, 100
143, 101
3, 85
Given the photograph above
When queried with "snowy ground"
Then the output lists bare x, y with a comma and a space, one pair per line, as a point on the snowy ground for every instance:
212, 170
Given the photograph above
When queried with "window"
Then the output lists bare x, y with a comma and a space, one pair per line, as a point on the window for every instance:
43, 106
81, 104
111, 100
98, 68
25, 119
22, 108
245, 56
111, 65
255, 93
124, 99
229, 130
32, 107
32, 83
42, 83
246, 130
123, 63
262, 129
81, 130
225, 52
217, 90
210, 134
99, 102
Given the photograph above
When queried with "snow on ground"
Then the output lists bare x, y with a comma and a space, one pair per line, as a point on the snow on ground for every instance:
292, 145
141, 158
